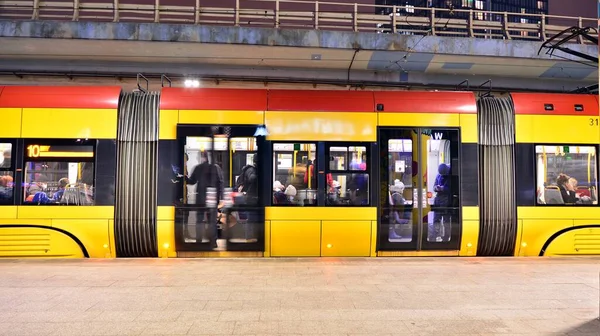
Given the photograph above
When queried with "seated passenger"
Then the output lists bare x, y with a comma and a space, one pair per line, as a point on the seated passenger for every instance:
5, 187
290, 193
398, 212
62, 185
581, 198
566, 189
278, 194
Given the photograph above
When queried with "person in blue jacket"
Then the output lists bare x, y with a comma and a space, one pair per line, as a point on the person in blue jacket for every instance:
440, 230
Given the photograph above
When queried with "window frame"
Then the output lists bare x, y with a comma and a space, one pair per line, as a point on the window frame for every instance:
58, 142
272, 169
368, 171
535, 172
12, 169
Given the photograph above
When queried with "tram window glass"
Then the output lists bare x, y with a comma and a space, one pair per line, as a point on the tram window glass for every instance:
347, 179
6, 174
441, 188
400, 191
566, 175
227, 164
231, 155
294, 182
59, 174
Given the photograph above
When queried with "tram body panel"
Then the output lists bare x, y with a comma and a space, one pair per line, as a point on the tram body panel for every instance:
548, 129
167, 124
51, 122
470, 231
321, 126
547, 122
220, 117
165, 231
37, 242
11, 116
578, 241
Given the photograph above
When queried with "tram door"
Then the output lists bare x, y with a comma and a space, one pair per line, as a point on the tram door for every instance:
223, 209
419, 200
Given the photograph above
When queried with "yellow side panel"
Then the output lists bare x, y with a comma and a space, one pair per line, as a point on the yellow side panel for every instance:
267, 239
167, 127
295, 238
374, 233
93, 234
111, 237
560, 212
434, 253
221, 117
66, 212
470, 213
36, 221
519, 238
544, 129
321, 126
537, 232
166, 213
37, 242
576, 242
321, 213
470, 236
346, 239
419, 119
69, 123
165, 231
8, 212
468, 128
11, 121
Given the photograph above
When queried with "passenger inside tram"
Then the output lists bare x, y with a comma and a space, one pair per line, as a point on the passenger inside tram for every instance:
232, 218
560, 170
66, 183
6, 187
439, 188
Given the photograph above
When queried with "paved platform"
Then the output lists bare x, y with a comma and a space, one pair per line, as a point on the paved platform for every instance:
414, 296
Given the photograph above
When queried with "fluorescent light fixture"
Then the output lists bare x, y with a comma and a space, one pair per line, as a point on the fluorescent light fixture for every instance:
192, 83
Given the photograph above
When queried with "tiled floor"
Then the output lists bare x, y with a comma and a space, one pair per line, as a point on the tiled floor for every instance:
414, 296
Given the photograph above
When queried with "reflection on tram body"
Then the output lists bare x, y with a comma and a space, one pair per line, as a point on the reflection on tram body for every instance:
232, 217
566, 175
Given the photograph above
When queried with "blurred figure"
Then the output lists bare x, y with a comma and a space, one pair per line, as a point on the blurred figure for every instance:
441, 204
279, 197
6, 159
62, 185
397, 211
206, 175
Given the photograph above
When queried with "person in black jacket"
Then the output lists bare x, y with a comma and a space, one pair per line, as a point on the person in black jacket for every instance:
204, 176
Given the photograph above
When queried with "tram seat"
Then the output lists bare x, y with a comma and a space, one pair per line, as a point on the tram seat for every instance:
552, 196
584, 191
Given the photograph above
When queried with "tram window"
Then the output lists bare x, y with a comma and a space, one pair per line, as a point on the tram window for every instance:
6, 174
59, 174
400, 185
441, 187
566, 175
347, 181
295, 181
229, 165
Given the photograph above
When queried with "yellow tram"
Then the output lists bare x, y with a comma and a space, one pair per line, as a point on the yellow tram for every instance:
95, 172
